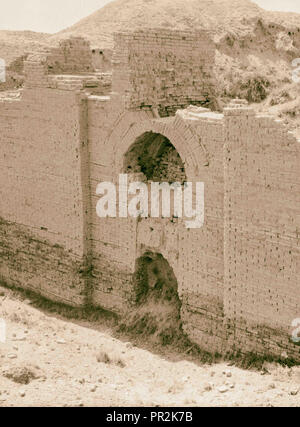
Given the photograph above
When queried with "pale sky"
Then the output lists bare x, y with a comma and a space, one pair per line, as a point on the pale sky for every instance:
54, 15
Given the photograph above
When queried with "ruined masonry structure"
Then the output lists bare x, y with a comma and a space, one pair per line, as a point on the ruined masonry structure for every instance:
76, 125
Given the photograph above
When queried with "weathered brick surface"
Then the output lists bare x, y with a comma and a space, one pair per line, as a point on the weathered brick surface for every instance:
72, 56
262, 205
30, 262
238, 276
42, 186
101, 59
164, 69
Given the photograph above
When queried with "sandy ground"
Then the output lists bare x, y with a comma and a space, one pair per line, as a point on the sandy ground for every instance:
71, 364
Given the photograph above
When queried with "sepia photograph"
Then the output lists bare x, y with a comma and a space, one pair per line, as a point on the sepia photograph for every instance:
150, 206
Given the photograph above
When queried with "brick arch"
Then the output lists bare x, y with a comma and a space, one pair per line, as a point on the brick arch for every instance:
131, 126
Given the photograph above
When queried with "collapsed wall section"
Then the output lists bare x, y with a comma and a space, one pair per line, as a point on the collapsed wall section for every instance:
67, 67
102, 59
164, 69
72, 56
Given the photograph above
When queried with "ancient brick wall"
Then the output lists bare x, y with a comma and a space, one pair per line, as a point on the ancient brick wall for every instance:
164, 69
37, 76
262, 222
42, 226
238, 275
196, 256
73, 55
102, 59
113, 240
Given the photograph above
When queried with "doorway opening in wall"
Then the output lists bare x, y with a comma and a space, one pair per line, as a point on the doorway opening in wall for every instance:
156, 309
154, 158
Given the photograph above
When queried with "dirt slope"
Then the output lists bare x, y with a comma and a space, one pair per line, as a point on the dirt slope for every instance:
48, 361
189, 14
14, 44
218, 16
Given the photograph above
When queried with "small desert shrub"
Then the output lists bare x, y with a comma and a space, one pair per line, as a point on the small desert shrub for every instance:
230, 41
251, 88
256, 362
281, 98
22, 375
103, 357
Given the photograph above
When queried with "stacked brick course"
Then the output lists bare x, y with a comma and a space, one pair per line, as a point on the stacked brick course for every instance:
41, 192
262, 222
68, 67
150, 71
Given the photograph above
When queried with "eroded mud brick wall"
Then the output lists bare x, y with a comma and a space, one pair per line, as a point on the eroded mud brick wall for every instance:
113, 240
200, 264
52, 69
196, 256
238, 287
262, 223
102, 59
42, 244
73, 55
164, 69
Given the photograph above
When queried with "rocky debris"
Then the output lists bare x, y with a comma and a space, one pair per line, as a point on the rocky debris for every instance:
113, 359
148, 380
294, 391
21, 337
208, 387
285, 43
240, 17
12, 356
22, 374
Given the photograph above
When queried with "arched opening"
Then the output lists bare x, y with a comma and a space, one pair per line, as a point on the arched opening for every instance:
156, 310
153, 155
